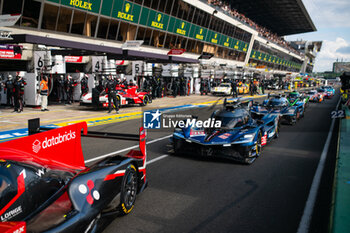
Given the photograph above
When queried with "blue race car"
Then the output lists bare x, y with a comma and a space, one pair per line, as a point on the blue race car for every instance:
240, 137
329, 91
289, 112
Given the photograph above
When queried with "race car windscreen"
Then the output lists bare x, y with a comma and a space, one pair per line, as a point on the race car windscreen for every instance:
276, 103
294, 95
320, 90
8, 184
233, 120
224, 85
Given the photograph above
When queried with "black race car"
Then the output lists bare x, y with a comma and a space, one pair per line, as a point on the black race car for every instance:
44, 181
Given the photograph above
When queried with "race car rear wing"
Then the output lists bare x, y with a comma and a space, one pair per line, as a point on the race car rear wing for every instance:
60, 147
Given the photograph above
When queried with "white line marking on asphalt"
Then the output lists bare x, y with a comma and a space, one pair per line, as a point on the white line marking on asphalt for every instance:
126, 149
156, 159
310, 203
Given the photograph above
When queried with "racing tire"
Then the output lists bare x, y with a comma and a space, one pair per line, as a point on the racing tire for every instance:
249, 160
177, 144
293, 120
128, 190
145, 100
277, 130
119, 103
258, 146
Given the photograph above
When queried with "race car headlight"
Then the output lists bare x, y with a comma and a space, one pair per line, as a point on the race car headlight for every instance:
246, 138
291, 111
178, 130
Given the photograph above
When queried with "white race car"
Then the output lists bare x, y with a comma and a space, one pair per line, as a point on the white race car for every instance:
222, 89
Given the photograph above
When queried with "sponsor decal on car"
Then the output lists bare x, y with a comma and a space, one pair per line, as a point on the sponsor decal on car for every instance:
264, 140
225, 136
194, 132
37, 145
12, 213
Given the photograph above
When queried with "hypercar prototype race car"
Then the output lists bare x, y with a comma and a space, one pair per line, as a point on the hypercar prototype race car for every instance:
296, 98
222, 89
322, 92
329, 89
277, 104
125, 97
45, 183
314, 96
240, 137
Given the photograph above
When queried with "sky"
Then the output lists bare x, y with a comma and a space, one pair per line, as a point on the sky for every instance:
332, 21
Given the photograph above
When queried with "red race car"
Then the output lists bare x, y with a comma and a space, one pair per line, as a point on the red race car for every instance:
46, 186
126, 96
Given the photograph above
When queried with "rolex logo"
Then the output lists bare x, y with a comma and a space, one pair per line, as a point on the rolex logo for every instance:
216, 35
182, 25
159, 17
201, 31
227, 39
127, 7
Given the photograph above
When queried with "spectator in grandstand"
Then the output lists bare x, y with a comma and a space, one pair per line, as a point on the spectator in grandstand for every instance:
225, 7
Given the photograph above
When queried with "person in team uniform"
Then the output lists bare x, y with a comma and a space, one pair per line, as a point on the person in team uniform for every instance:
234, 88
9, 88
84, 85
175, 87
19, 85
70, 84
111, 85
61, 90
44, 91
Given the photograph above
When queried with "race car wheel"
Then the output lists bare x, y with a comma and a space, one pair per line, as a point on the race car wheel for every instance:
258, 145
145, 100
249, 161
128, 190
293, 120
118, 99
277, 130
248, 158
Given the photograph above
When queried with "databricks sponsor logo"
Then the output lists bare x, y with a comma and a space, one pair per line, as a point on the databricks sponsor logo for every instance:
54, 140
157, 120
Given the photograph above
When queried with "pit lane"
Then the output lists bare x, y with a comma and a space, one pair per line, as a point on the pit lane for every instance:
191, 194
